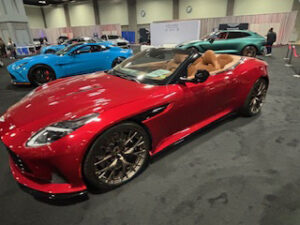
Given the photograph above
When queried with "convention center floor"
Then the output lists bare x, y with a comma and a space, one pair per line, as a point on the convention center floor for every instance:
240, 171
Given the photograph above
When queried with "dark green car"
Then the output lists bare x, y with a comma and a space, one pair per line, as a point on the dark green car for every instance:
241, 42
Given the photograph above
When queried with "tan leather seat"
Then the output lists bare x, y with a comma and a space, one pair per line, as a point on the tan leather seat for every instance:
211, 62
175, 62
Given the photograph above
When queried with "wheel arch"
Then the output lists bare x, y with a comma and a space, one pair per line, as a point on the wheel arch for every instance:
36, 65
133, 119
249, 44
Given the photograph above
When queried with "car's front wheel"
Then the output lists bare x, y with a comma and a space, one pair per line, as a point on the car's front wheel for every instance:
250, 51
255, 99
117, 61
116, 156
41, 74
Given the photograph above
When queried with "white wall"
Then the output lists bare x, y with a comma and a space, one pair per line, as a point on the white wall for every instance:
55, 17
246, 7
156, 10
35, 17
81, 14
203, 8
113, 12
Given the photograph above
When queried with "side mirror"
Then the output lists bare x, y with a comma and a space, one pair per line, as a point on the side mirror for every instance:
201, 76
211, 40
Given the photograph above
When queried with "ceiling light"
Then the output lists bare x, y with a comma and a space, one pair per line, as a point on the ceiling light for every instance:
42, 2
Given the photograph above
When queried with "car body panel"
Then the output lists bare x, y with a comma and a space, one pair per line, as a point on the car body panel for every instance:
189, 107
68, 65
55, 48
228, 46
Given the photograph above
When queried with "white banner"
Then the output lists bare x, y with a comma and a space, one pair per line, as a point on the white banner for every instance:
174, 32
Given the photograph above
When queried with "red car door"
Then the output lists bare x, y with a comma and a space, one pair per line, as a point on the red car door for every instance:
211, 97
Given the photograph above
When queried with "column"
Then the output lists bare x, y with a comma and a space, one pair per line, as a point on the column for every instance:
96, 12
230, 6
132, 20
175, 9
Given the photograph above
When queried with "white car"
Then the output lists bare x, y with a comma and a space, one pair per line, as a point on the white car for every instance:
117, 40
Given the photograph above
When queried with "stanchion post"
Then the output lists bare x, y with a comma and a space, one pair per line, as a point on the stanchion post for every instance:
290, 57
288, 52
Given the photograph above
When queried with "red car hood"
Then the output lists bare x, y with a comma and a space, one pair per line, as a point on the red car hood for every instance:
73, 97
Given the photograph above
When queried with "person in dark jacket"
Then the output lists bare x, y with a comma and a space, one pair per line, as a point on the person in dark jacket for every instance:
271, 38
2, 48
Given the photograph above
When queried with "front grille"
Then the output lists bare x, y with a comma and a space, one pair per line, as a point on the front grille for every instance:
18, 162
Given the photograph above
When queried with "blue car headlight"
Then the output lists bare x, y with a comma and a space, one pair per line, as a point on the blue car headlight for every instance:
58, 130
20, 65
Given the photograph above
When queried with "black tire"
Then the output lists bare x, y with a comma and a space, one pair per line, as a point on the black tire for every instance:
117, 61
113, 160
193, 49
250, 51
50, 51
255, 98
41, 74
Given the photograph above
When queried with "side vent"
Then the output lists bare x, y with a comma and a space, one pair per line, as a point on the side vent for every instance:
150, 113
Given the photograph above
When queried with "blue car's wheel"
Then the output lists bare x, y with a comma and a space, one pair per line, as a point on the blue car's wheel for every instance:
117, 61
41, 74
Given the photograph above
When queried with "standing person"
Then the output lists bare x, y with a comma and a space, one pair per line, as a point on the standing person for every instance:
11, 46
271, 38
2, 48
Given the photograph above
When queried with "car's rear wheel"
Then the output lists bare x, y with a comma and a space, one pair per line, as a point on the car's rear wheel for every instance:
250, 51
255, 99
41, 74
116, 156
117, 61
193, 49
50, 51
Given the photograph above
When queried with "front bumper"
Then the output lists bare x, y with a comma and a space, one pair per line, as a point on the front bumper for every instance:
42, 176
17, 78
43, 189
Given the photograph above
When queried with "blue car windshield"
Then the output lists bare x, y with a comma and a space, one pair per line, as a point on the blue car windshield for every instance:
65, 50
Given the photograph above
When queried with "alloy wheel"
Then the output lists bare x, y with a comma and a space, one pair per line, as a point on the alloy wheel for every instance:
249, 51
121, 156
117, 61
42, 75
258, 97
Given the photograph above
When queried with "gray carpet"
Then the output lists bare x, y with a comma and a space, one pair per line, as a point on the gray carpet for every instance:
240, 171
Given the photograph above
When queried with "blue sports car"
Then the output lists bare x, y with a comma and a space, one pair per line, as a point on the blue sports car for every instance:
73, 60
51, 49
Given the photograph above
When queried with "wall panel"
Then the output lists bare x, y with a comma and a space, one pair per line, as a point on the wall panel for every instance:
202, 8
155, 10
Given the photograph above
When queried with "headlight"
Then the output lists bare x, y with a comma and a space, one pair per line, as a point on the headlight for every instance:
21, 65
58, 130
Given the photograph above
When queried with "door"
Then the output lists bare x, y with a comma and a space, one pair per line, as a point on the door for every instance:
85, 59
234, 40
211, 97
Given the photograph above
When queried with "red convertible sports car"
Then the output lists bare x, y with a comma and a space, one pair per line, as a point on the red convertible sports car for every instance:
98, 130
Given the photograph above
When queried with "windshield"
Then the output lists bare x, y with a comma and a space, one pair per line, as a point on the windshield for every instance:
152, 66
113, 36
66, 49
211, 35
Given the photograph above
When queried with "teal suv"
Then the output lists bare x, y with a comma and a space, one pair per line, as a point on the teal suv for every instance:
241, 42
